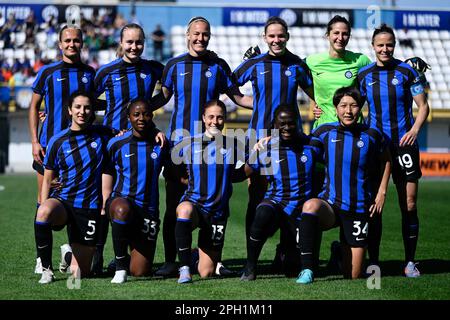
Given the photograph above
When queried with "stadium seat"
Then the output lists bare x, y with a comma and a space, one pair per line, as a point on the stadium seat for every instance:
434, 35
445, 96
19, 39
50, 54
413, 34
243, 32
254, 32
103, 57
29, 53
359, 34
177, 31
221, 31
232, 31
318, 33
19, 54
41, 39
437, 104
444, 35
306, 32
295, 32
423, 35
441, 86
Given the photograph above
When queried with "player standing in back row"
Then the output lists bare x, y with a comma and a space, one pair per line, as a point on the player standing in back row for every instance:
390, 86
275, 77
127, 78
193, 78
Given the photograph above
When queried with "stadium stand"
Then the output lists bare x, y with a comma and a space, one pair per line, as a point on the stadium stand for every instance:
23, 52
433, 46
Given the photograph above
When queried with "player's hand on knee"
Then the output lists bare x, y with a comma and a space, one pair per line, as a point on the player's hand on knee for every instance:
55, 184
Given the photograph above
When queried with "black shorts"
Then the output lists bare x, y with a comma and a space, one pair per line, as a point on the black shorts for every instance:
82, 224
405, 164
354, 227
144, 223
39, 168
212, 230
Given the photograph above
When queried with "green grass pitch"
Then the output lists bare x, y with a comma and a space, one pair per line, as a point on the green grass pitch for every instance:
17, 280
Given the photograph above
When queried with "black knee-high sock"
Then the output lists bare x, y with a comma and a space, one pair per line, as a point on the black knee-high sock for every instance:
309, 228
374, 238
410, 232
183, 236
102, 234
174, 192
119, 230
254, 247
35, 215
44, 242
169, 224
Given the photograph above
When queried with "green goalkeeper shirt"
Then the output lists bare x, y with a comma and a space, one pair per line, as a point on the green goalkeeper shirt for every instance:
330, 74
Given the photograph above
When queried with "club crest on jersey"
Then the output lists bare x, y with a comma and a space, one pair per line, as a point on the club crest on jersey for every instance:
288, 73
303, 158
94, 144
84, 80
360, 144
394, 81
154, 155
208, 74
143, 76
348, 74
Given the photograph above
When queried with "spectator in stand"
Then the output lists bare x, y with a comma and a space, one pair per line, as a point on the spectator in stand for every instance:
158, 37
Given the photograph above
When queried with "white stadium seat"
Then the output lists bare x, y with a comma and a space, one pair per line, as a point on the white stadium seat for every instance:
20, 38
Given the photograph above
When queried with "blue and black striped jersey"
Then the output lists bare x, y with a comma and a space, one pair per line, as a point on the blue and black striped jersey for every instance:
275, 80
123, 82
194, 81
55, 83
78, 157
352, 164
212, 165
389, 93
288, 168
136, 164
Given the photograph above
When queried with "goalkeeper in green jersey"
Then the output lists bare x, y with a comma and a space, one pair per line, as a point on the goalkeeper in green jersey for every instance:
334, 69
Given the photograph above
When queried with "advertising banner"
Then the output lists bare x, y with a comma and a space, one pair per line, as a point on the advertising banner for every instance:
293, 16
432, 20
20, 12
435, 164
62, 13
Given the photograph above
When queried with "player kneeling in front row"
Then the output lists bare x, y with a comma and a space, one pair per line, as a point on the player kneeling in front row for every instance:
131, 194
211, 160
356, 158
76, 155
287, 164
